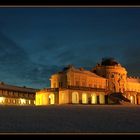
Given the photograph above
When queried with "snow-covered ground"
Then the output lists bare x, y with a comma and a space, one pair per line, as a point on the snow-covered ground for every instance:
70, 119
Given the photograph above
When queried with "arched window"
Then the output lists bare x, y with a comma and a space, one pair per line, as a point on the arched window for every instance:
75, 97
93, 98
51, 99
102, 99
132, 99
84, 98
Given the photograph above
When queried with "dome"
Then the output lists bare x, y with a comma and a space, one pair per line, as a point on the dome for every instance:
109, 62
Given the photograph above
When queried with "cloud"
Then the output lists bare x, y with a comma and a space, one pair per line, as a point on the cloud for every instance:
17, 68
12, 57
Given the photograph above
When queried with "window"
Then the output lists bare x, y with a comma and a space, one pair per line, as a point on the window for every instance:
27, 102
9, 101
60, 84
90, 85
10, 93
19, 101
13, 101
0, 92
77, 83
6, 100
112, 76
5, 92
54, 85
23, 101
84, 98
2, 99
83, 84
68, 82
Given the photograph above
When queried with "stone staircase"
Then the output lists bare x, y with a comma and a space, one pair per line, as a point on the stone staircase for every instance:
126, 103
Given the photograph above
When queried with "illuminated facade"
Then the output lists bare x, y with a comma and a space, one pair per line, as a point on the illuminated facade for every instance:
80, 86
14, 95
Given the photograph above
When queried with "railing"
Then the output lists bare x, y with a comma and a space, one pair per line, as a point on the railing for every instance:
85, 88
51, 89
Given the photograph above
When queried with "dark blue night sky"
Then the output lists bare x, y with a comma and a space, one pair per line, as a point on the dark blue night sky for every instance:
37, 42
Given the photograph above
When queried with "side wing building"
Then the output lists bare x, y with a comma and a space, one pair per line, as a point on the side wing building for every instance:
15, 95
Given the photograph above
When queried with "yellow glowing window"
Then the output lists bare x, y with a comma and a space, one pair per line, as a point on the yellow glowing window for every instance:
51, 99
2, 99
13, 101
84, 98
23, 101
94, 98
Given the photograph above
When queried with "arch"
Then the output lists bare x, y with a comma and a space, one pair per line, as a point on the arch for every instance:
84, 98
93, 98
75, 97
101, 98
51, 98
132, 99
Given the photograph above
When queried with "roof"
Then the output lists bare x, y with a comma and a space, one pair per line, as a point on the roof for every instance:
78, 70
17, 88
133, 80
109, 62
92, 74
86, 72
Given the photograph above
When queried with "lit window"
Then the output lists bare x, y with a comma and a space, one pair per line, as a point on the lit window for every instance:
2, 99
51, 99
84, 98
19, 101
9, 101
14, 101
27, 102
23, 101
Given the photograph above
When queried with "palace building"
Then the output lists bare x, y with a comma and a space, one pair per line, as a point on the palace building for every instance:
79, 86
15, 95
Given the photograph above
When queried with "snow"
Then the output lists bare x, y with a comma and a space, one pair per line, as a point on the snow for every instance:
70, 119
